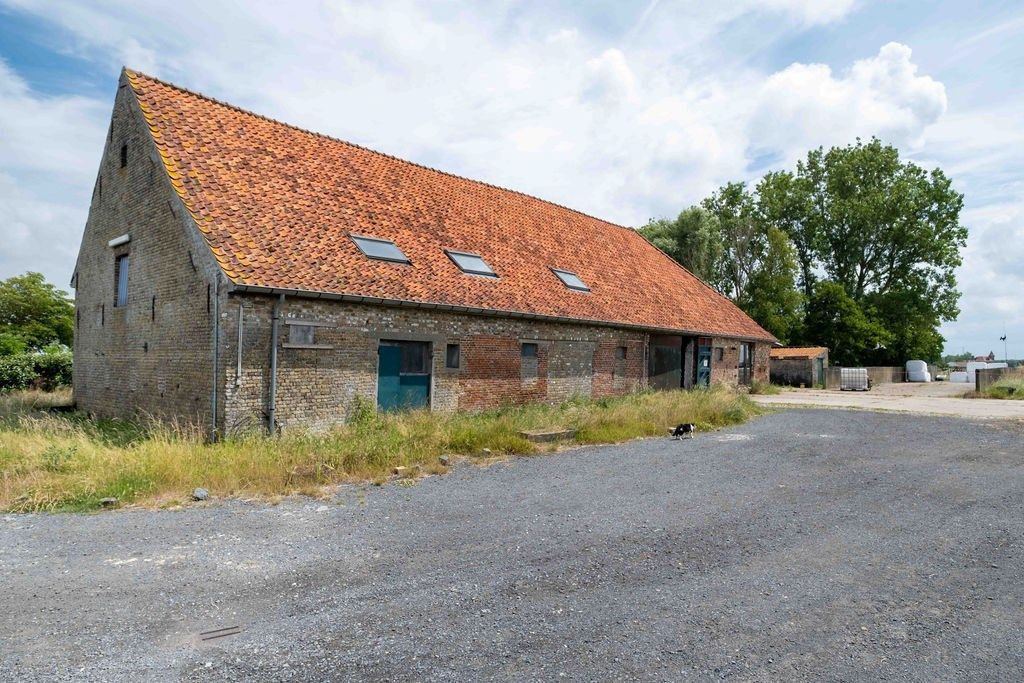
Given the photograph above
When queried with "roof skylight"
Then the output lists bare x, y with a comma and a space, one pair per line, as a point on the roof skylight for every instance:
471, 263
381, 250
571, 280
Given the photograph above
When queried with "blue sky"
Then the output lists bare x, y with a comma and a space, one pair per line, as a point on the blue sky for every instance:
624, 110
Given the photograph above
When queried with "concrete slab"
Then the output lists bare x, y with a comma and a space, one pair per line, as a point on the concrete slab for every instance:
934, 398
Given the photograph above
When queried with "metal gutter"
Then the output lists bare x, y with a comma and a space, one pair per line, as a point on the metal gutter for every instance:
275, 325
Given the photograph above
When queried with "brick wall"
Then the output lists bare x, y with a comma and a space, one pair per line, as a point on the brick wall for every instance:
318, 387
153, 355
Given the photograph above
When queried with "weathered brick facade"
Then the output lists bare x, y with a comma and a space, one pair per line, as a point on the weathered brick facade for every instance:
173, 349
153, 355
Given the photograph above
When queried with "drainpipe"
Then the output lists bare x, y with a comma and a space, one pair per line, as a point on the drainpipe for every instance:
275, 318
216, 358
238, 354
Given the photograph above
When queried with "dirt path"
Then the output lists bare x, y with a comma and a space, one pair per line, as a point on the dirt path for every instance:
934, 398
806, 545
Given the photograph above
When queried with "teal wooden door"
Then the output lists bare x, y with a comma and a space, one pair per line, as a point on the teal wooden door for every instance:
403, 375
389, 387
703, 366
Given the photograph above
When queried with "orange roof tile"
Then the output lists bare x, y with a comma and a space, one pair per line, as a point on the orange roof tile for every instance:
798, 352
276, 204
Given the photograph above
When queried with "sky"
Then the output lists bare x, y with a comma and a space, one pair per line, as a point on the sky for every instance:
624, 110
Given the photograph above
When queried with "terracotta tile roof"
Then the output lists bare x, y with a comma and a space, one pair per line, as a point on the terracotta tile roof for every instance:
276, 204
798, 352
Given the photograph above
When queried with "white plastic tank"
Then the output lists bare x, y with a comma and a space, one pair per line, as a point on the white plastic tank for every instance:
917, 371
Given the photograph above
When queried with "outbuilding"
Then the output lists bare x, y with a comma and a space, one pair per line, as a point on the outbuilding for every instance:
799, 365
240, 272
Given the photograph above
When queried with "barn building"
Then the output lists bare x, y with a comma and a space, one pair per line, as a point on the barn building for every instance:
239, 272
798, 365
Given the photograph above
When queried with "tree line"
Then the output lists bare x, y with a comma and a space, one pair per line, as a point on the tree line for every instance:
855, 250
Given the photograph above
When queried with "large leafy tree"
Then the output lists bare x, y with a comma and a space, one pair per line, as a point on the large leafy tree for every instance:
726, 243
693, 239
857, 220
33, 314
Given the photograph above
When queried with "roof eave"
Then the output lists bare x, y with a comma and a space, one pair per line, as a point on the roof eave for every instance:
492, 312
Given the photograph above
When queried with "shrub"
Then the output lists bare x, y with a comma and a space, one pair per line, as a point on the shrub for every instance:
16, 372
53, 368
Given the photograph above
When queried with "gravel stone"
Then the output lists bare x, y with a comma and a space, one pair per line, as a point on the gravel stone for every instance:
823, 545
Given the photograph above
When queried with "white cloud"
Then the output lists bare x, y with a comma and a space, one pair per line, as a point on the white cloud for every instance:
609, 80
48, 154
806, 105
626, 121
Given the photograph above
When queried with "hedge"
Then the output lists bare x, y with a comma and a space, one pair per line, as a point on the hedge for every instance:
42, 370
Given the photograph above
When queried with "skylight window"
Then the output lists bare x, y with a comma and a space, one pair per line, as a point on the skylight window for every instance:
381, 250
471, 263
571, 280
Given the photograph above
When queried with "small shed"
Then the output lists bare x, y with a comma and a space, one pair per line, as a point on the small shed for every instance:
798, 365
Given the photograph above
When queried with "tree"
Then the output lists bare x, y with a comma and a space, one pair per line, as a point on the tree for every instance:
850, 333
33, 314
726, 243
886, 230
693, 240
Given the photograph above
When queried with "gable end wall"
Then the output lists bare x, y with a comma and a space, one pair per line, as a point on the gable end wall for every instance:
154, 355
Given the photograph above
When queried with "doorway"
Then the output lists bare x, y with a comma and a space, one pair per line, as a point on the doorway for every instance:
703, 360
403, 375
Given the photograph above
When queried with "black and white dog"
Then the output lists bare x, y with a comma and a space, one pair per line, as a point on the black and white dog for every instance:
682, 430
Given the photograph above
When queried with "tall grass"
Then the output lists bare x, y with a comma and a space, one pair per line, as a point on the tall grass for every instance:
58, 461
1009, 386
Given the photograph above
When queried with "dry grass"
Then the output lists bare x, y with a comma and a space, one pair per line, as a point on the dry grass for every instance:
1010, 386
62, 461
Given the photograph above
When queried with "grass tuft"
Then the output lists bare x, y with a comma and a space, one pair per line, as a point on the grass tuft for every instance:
55, 459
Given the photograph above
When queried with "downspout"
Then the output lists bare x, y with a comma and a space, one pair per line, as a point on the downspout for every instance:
216, 358
275, 323
238, 354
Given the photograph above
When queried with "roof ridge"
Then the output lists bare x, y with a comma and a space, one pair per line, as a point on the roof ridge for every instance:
249, 112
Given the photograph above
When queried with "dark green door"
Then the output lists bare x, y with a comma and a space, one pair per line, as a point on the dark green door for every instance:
666, 362
403, 375
703, 366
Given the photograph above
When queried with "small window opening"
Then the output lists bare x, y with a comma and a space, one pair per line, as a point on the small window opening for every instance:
471, 263
124, 155
719, 353
529, 350
619, 369
379, 250
302, 335
451, 356
571, 280
121, 280
207, 298
152, 310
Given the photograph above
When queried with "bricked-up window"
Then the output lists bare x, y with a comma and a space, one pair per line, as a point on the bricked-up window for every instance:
379, 250
121, 280
124, 155
528, 361
301, 335
620, 362
451, 356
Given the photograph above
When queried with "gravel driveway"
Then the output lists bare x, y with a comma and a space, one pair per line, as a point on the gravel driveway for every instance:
807, 545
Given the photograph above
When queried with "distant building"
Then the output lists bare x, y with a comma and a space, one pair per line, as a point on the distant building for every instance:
986, 359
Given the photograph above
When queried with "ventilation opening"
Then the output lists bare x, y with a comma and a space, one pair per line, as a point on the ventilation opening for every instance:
124, 155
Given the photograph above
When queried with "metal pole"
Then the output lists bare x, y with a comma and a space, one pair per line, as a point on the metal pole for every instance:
275, 318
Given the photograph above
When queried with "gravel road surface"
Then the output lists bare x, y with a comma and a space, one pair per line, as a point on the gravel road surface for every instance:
805, 545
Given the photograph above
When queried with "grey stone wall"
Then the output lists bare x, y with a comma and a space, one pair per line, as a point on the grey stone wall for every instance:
153, 355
